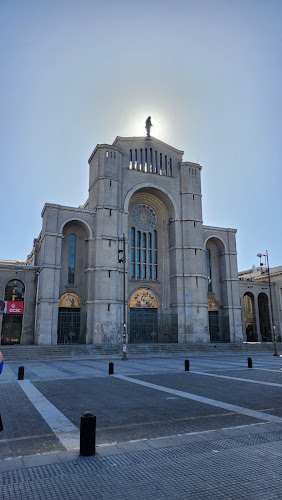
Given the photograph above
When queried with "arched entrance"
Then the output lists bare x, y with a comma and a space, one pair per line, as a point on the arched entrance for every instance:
143, 316
13, 313
264, 318
71, 328
250, 318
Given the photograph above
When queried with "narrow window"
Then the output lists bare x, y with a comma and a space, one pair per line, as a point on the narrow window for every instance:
138, 264
208, 257
149, 256
132, 274
107, 154
165, 172
109, 274
151, 160
193, 197
146, 160
109, 305
144, 247
111, 154
156, 163
110, 183
161, 163
71, 259
195, 251
170, 167
135, 159
110, 212
130, 159
194, 224
155, 256
114, 155
141, 161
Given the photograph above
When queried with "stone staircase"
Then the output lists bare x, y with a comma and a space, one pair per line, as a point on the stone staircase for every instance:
21, 353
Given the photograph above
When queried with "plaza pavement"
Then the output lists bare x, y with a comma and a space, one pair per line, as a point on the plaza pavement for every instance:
214, 432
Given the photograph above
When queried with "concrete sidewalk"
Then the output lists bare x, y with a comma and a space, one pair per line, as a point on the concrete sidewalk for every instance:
238, 463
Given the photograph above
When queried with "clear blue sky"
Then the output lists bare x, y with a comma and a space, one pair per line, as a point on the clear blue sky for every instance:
78, 73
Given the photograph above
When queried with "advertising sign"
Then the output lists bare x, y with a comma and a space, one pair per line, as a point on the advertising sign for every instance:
14, 307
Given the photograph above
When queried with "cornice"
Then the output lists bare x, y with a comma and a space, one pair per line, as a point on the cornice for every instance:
148, 139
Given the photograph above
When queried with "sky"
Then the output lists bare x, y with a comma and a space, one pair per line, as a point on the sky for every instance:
78, 73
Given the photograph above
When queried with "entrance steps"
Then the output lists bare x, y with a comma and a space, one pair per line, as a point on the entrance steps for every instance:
21, 353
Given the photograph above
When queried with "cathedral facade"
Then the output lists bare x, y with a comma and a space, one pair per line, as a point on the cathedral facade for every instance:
136, 258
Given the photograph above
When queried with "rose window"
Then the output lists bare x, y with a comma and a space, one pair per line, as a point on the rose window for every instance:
144, 217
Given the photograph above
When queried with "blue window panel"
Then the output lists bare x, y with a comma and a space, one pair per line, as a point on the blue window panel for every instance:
155, 240
144, 271
132, 255
150, 256
144, 255
132, 274
150, 272
155, 273
155, 258
138, 255
144, 240
138, 271
132, 237
138, 238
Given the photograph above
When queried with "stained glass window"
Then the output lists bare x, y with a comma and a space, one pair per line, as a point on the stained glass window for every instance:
144, 217
208, 254
71, 259
143, 244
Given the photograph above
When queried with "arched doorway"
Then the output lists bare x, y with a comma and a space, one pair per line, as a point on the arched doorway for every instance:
143, 316
70, 325
264, 318
12, 320
250, 318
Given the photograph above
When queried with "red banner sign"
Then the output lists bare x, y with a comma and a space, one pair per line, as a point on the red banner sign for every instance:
14, 307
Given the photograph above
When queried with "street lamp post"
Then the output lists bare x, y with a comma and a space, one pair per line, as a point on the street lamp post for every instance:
122, 260
273, 335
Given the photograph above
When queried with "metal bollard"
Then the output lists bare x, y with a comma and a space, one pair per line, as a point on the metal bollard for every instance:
87, 434
187, 365
111, 368
250, 363
21, 373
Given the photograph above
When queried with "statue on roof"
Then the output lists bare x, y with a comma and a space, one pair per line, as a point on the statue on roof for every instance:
148, 125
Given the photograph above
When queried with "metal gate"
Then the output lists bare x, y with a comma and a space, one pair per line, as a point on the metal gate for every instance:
147, 326
71, 327
11, 329
219, 327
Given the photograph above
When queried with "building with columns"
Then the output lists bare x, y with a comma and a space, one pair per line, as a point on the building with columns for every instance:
180, 276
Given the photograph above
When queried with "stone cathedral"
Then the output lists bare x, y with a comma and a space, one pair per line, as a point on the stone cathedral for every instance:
135, 256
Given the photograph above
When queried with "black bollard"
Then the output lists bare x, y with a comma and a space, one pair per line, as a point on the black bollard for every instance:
1, 424
111, 368
87, 434
21, 373
250, 364
187, 365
